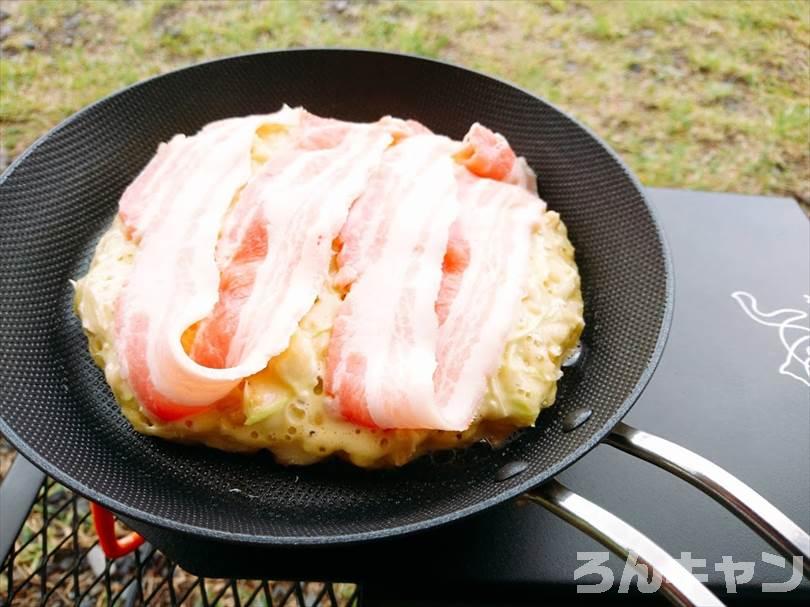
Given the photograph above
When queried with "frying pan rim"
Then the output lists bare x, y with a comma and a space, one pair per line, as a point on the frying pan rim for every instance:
387, 532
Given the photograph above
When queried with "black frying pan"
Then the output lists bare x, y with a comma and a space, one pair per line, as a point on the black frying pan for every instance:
62, 193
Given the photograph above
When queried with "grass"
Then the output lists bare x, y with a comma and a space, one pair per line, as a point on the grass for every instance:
704, 95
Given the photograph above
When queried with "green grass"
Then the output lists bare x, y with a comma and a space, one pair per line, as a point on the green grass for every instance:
705, 95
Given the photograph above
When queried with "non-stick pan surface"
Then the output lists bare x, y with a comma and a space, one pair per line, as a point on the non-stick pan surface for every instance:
62, 193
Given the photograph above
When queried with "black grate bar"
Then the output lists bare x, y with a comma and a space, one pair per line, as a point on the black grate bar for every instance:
52, 563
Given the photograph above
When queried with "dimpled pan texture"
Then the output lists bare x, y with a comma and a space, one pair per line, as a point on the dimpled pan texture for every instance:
62, 193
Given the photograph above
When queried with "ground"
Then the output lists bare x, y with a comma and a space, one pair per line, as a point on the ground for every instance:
703, 95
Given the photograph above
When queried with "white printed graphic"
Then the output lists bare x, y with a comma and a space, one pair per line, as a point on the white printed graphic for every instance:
795, 337
734, 573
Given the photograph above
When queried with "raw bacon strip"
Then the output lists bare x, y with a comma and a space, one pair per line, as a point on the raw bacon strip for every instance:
456, 260
381, 355
146, 198
141, 200
404, 128
278, 251
496, 220
486, 154
369, 223
457, 257
522, 175
175, 280
176, 207
392, 363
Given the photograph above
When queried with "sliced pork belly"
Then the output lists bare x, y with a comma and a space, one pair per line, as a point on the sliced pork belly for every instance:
433, 261
381, 355
481, 290
158, 187
273, 261
276, 253
486, 154
436, 260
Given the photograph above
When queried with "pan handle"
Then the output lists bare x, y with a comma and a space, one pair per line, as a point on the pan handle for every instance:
753, 509
677, 584
113, 546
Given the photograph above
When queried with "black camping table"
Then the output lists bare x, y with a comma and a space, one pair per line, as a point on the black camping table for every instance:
731, 386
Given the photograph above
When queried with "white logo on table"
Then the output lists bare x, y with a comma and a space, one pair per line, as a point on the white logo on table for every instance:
793, 333
647, 580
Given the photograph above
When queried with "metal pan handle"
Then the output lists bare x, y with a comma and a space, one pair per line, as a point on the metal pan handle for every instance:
677, 584
753, 509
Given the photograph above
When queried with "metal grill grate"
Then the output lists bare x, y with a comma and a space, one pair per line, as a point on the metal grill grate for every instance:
56, 560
